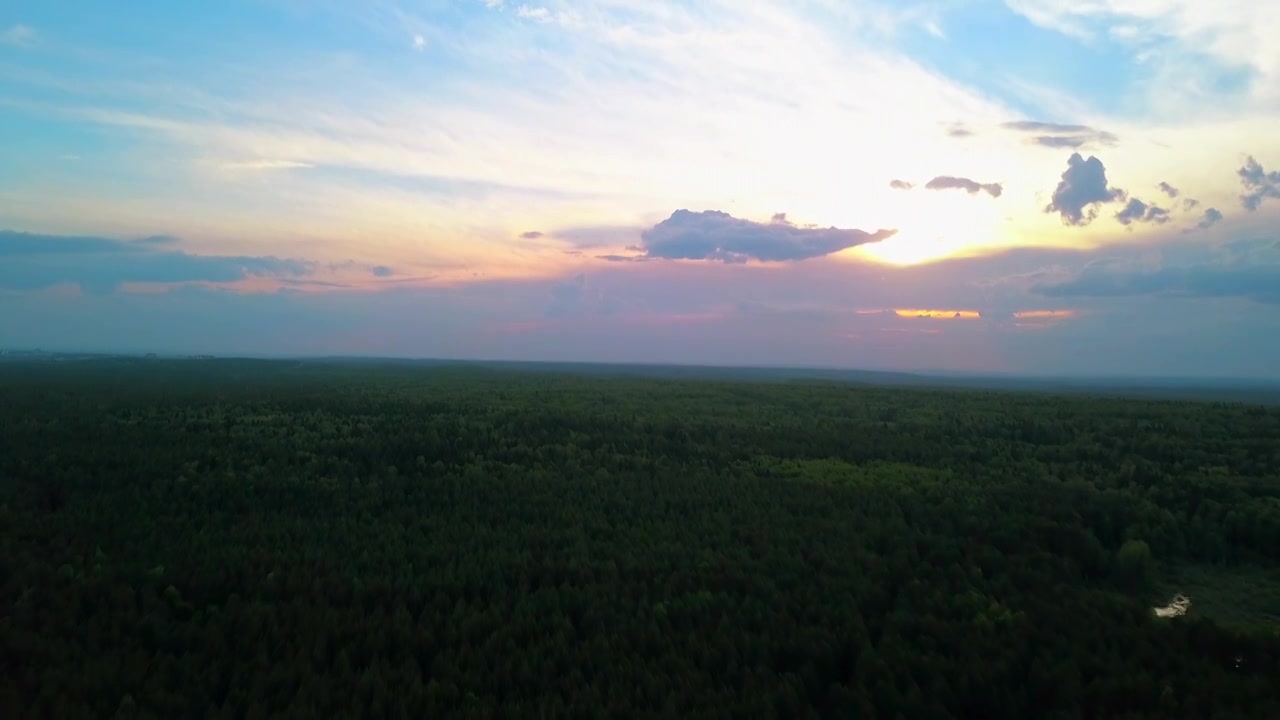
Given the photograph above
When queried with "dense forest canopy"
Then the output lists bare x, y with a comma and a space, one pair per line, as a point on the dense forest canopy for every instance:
215, 538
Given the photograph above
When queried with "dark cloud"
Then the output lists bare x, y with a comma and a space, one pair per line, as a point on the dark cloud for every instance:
1260, 283
1258, 184
1056, 135
718, 236
947, 182
1083, 186
1252, 251
624, 258
19, 244
158, 240
900, 185
957, 130
1137, 211
531, 235
100, 264
1190, 203
382, 271
1056, 142
294, 284
1168, 189
1211, 218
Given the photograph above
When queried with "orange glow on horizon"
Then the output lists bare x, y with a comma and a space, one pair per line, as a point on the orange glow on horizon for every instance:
938, 314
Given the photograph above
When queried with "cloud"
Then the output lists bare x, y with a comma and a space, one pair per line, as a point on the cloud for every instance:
537, 14
1189, 203
1211, 218
1168, 189
531, 235
419, 42
1137, 211
598, 236
900, 185
266, 164
947, 182
97, 264
718, 236
1083, 185
1260, 283
1252, 251
19, 245
19, 35
1192, 54
382, 271
624, 258
958, 130
156, 240
1055, 135
1258, 184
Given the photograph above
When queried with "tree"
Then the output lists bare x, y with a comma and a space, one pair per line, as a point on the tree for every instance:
1133, 564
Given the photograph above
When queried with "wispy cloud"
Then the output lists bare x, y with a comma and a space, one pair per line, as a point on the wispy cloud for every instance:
1186, 43
1057, 135
718, 97
101, 265
266, 165
18, 35
1261, 284
534, 12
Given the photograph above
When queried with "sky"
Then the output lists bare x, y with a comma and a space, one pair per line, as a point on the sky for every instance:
1065, 187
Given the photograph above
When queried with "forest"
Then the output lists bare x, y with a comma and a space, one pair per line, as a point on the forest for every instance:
241, 538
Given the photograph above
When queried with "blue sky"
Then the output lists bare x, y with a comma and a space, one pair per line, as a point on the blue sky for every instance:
1018, 186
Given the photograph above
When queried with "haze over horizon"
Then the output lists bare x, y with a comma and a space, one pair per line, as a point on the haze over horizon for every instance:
1035, 187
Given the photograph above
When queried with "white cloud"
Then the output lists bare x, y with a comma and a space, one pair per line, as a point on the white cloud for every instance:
20, 35
419, 42
1238, 34
266, 165
538, 14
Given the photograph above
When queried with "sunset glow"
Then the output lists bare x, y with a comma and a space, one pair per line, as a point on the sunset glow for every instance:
432, 171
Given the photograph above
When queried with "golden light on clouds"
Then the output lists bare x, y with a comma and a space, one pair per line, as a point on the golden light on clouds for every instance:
939, 314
